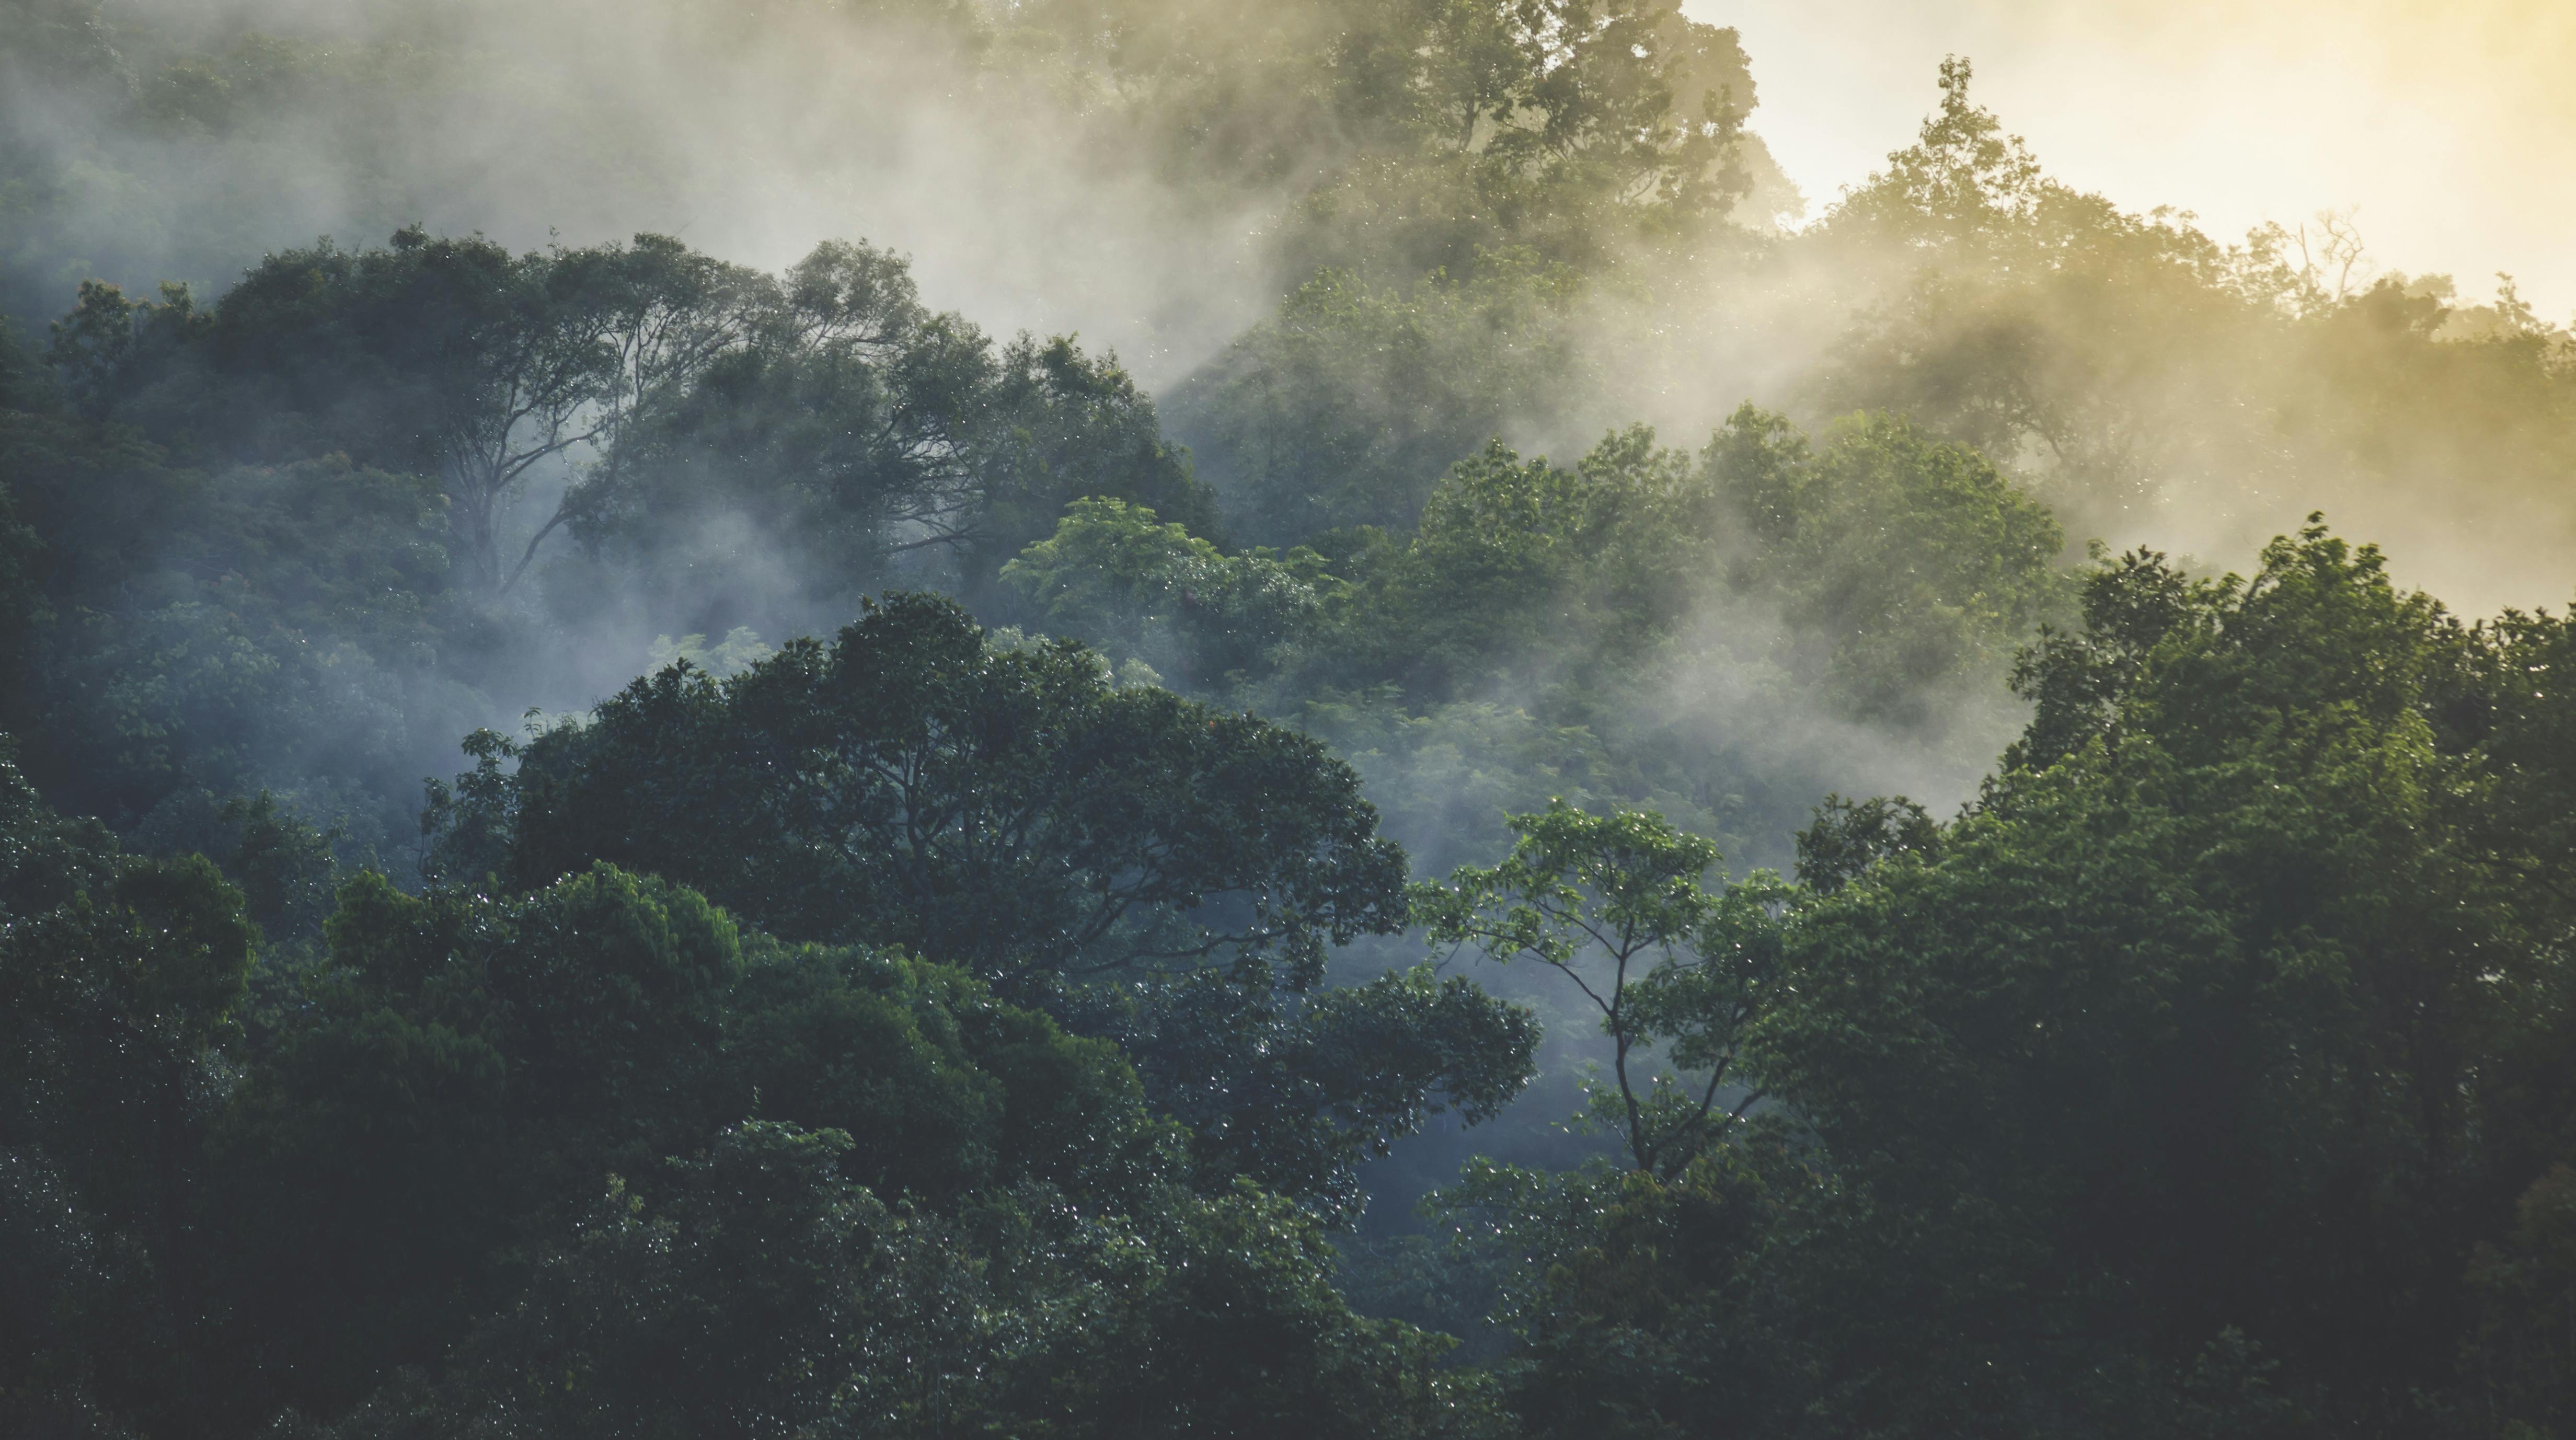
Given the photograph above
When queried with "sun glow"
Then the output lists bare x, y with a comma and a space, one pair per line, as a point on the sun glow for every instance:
2448, 128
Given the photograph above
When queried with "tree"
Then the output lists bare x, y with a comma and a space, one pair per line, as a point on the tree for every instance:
1959, 183
1143, 866
464, 1072
121, 978
1912, 565
2515, 1359
1013, 811
1684, 1305
2231, 955
1117, 577
1346, 405
779, 442
1687, 969
204, 634
667, 315
1061, 427
753, 1290
449, 356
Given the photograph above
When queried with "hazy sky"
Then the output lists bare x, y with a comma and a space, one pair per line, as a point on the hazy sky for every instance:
2452, 126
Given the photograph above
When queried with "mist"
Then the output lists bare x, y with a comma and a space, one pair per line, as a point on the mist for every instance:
2430, 123
747, 135
1036, 713
1032, 194
1327, 346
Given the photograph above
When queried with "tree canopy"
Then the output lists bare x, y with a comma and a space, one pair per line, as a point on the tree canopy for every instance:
1417, 777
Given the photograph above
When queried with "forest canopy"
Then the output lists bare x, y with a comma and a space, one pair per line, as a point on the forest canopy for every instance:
1360, 738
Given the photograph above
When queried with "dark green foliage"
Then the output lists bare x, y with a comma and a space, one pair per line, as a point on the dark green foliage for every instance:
831, 420
1849, 836
726, 1309
1909, 563
216, 598
1297, 1090
1639, 628
22, 558
1898, 566
1148, 867
476, 1066
2171, 1088
118, 979
760, 1293
1345, 408
1062, 427
1115, 577
1012, 811
1674, 1308
400, 1168
221, 630
445, 357
2514, 1363
1616, 903
274, 645
932, 1031
825, 414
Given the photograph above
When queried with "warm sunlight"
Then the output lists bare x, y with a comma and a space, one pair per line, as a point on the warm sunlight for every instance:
1306, 720
2451, 126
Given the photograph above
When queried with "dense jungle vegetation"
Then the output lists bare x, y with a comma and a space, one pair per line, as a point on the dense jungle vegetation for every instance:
1364, 887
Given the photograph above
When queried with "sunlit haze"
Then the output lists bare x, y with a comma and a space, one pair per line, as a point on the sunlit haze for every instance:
2450, 126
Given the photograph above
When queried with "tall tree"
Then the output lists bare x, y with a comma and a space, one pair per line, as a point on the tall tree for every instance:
1618, 904
1149, 868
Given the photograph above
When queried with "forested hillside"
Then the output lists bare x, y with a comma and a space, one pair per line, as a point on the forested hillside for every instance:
1361, 738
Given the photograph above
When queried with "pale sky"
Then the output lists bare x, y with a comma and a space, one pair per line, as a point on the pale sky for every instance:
2451, 126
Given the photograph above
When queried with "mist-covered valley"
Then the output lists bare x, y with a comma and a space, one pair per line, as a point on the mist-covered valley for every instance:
1141, 718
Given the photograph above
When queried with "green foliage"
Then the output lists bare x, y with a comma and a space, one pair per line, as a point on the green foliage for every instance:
1539, 631
828, 407
217, 682
478, 1065
1671, 1305
1346, 406
225, 601
1437, 130
1686, 970
2252, 941
1849, 836
230, 1220
1149, 868
1446, 778
97, 349
1062, 427
22, 557
2210, 1074
830, 418
1297, 1091
440, 356
739, 650
1115, 577
253, 627
1915, 561
2128, 364
1899, 566
950, 1212
761, 1293
2245, 960
120, 979
2515, 1359
1008, 810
